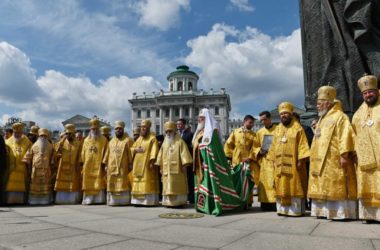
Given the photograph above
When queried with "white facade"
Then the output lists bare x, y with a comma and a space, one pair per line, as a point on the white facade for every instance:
183, 100
82, 124
238, 123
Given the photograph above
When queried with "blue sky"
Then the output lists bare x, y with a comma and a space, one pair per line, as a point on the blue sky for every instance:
60, 58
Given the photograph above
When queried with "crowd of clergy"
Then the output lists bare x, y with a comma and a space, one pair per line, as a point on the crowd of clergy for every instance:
333, 168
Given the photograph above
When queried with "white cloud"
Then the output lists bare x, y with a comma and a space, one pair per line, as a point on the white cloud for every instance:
17, 77
58, 97
254, 67
242, 5
159, 14
66, 34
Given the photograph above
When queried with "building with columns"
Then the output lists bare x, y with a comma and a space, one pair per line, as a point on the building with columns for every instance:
82, 123
182, 100
238, 123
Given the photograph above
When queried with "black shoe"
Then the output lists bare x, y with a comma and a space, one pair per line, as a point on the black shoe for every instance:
268, 207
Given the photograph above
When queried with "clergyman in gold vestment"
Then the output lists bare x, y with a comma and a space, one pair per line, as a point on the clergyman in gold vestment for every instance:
118, 167
40, 156
106, 132
67, 183
242, 146
173, 159
289, 152
17, 182
145, 186
332, 178
94, 157
267, 192
366, 123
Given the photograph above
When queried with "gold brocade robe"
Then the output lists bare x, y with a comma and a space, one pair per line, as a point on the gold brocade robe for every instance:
129, 140
289, 145
145, 179
69, 172
267, 193
328, 180
171, 158
118, 163
42, 162
197, 158
242, 143
130, 174
94, 154
366, 124
18, 174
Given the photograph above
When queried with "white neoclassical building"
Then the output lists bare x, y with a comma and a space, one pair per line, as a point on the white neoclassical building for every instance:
238, 123
182, 100
82, 123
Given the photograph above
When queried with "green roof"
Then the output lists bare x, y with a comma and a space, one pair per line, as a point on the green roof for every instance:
182, 70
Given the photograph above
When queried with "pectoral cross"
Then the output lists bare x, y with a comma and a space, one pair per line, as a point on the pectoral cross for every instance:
19, 150
369, 121
284, 139
93, 149
117, 150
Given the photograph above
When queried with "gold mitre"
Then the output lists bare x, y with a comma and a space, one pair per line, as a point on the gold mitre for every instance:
18, 127
367, 82
94, 123
285, 107
34, 130
119, 124
146, 123
327, 93
70, 128
136, 131
43, 131
170, 125
105, 130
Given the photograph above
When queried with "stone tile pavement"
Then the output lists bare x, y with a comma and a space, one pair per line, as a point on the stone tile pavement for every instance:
103, 227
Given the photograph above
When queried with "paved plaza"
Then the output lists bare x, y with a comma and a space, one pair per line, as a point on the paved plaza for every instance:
103, 227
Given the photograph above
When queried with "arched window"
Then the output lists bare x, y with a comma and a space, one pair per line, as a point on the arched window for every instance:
190, 86
171, 86
180, 87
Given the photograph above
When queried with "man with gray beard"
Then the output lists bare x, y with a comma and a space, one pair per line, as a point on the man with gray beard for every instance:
332, 177
17, 174
40, 159
94, 157
173, 158
197, 139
